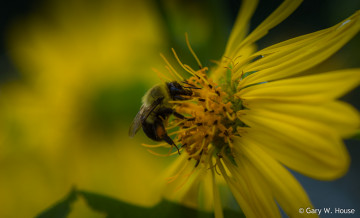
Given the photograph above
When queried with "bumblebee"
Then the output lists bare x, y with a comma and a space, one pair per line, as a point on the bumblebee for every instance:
156, 109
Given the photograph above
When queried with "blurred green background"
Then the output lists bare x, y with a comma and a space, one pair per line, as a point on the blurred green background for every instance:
72, 74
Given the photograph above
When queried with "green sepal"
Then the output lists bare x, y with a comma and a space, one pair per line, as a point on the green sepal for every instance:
229, 155
113, 208
62, 208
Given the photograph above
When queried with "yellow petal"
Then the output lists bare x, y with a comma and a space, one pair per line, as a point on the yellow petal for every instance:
180, 182
276, 17
258, 193
285, 188
337, 115
296, 55
240, 192
305, 145
279, 53
217, 201
241, 25
313, 88
190, 186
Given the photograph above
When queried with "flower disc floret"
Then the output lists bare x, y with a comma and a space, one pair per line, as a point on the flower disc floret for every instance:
209, 118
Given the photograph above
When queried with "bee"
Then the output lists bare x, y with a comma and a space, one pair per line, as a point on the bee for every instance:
156, 109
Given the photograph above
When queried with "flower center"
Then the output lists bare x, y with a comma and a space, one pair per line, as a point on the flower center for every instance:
210, 118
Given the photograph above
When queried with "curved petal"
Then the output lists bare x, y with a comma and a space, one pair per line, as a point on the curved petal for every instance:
276, 17
285, 189
216, 195
337, 115
313, 88
253, 199
296, 55
181, 182
279, 53
240, 28
305, 145
249, 182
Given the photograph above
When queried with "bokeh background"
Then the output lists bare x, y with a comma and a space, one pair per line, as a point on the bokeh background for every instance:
72, 74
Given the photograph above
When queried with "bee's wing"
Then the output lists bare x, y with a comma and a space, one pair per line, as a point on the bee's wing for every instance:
136, 123
142, 115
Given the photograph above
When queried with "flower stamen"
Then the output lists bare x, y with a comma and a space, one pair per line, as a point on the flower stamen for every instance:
192, 51
165, 155
171, 68
187, 177
166, 145
213, 119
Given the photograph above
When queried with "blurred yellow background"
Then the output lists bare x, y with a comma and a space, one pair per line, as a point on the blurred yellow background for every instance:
64, 121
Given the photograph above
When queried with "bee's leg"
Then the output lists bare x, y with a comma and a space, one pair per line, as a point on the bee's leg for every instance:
180, 116
168, 111
160, 131
179, 97
164, 112
167, 139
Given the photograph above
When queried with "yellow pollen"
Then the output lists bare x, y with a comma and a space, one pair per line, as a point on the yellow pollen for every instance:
208, 114
209, 117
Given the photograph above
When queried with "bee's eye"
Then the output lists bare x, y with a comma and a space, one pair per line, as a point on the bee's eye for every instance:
174, 88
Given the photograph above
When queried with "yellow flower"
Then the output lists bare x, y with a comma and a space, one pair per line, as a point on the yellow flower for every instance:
254, 114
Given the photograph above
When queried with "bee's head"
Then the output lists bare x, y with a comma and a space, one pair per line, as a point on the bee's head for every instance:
176, 90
